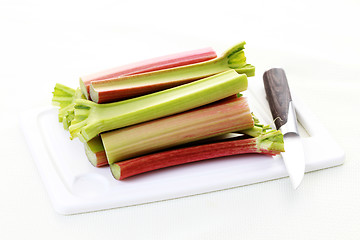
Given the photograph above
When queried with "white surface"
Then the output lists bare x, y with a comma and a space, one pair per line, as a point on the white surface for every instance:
44, 42
75, 186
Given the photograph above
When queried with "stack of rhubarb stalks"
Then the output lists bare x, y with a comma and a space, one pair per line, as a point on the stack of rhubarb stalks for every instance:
166, 111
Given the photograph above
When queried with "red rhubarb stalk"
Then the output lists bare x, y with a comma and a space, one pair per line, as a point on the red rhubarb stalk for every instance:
154, 64
270, 143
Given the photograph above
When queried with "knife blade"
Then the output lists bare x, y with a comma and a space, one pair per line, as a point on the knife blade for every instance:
284, 115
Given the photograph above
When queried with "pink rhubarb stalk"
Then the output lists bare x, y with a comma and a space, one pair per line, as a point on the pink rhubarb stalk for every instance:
154, 64
270, 143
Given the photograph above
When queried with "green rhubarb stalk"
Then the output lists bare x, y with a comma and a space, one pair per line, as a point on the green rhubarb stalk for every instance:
125, 87
225, 116
270, 143
95, 152
91, 119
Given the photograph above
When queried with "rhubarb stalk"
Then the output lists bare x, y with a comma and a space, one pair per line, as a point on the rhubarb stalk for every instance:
91, 119
125, 87
270, 143
154, 64
225, 116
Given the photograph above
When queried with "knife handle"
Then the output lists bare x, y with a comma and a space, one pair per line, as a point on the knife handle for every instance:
278, 95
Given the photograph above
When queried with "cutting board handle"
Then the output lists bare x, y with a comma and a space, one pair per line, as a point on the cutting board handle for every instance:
278, 95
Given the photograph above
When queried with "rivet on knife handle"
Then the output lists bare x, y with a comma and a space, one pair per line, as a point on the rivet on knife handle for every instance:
278, 94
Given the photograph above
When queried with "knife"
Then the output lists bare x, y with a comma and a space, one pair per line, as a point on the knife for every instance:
283, 112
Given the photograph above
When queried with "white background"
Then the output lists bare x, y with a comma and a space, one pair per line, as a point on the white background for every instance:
317, 42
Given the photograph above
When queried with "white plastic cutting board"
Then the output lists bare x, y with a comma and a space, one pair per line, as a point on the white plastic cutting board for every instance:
75, 186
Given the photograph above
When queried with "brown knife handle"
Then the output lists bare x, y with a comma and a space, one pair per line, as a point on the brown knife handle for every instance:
278, 95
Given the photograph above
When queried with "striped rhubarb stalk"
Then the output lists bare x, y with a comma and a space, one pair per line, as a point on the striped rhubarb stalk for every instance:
225, 116
154, 64
91, 119
270, 143
125, 87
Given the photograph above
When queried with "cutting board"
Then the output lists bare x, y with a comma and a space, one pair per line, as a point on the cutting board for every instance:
75, 186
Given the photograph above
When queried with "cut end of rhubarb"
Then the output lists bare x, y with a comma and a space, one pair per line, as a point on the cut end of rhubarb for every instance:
95, 152
84, 86
97, 159
115, 171
94, 95
91, 156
